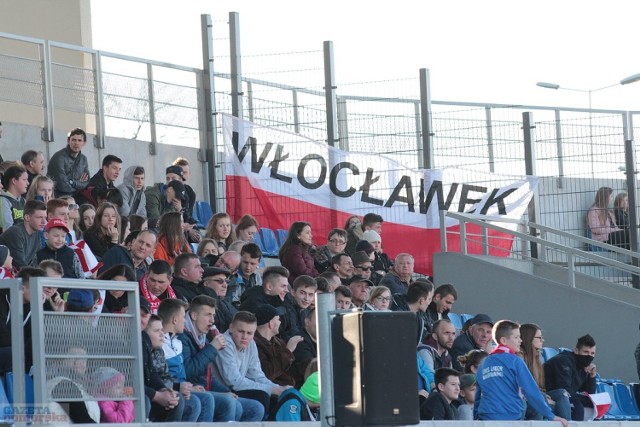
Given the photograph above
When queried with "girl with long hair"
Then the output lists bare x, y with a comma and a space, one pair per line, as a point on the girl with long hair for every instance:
171, 239
103, 234
602, 223
41, 186
219, 229
296, 252
246, 228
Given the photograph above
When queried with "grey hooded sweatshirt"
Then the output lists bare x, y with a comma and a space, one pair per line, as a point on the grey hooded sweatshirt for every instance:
130, 197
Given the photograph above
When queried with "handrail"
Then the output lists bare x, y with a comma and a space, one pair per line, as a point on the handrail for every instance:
483, 221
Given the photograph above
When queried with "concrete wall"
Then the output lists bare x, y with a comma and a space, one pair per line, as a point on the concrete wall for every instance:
19, 138
563, 313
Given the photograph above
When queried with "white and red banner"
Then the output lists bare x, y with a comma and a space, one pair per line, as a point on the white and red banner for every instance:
281, 177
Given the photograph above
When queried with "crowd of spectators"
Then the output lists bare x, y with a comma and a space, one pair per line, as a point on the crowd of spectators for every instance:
224, 340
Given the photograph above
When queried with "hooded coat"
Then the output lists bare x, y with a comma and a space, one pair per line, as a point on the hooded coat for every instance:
133, 201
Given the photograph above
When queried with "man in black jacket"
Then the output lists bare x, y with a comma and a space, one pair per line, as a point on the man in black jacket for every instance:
187, 274
573, 372
443, 299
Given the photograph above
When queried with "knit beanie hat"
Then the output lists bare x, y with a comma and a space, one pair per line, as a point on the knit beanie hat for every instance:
364, 245
4, 253
310, 389
372, 236
104, 379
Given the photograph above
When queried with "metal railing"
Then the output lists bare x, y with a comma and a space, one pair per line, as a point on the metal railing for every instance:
622, 262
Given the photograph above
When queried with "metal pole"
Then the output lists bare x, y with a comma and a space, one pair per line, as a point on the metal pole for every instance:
17, 347
343, 124
530, 169
331, 98
210, 126
632, 188
325, 303
443, 230
425, 117
296, 112
100, 131
250, 101
236, 66
418, 125
152, 111
47, 85
489, 125
560, 150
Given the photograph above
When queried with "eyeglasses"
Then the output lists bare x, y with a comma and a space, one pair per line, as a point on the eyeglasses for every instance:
365, 268
73, 207
541, 338
220, 281
338, 242
383, 299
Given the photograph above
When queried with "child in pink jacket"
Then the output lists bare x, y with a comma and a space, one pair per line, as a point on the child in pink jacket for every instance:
109, 382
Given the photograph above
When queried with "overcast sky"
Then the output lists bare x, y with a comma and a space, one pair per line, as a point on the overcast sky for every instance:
489, 51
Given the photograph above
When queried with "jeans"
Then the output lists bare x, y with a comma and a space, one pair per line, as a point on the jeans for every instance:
562, 407
192, 408
225, 409
158, 413
207, 406
251, 410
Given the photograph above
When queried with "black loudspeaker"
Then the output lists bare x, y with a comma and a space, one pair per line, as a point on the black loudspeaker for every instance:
375, 372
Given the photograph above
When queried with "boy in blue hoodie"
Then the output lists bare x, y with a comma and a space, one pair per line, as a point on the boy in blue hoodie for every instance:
503, 379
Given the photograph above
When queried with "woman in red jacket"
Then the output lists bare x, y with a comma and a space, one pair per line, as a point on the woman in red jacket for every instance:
171, 239
296, 251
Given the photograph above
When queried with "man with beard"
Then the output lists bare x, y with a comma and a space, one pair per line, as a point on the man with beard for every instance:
574, 372
436, 351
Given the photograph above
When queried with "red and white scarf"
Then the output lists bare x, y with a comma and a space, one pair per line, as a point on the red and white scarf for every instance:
154, 301
503, 349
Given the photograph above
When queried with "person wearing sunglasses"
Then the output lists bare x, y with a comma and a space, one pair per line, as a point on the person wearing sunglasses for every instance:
363, 266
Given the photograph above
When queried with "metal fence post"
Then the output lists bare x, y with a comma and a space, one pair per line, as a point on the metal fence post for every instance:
296, 111
443, 230
425, 117
209, 141
530, 169
152, 112
236, 65
17, 347
100, 131
489, 126
560, 149
325, 303
632, 186
47, 85
343, 124
250, 101
418, 125
330, 95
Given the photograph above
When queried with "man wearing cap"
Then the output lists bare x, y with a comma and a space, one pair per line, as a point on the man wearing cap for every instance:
142, 247
343, 265
55, 233
478, 337
359, 287
215, 281
238, 364
362, 265
23, 239
169, 197
400, 276
276, 356
187, 273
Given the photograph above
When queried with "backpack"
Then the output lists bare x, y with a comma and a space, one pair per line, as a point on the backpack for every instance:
291, 406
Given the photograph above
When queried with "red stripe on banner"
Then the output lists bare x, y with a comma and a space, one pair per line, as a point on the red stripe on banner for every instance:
276, 211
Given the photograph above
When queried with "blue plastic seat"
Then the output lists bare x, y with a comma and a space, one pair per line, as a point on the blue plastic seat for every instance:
547, 353
4, 403
28, 385
282, 236
258, 241
614, 412
466, 317
202, 212
456, 321
625, 400
271, 246
194, 247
